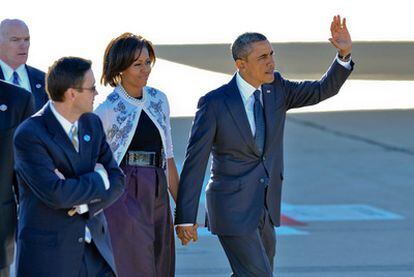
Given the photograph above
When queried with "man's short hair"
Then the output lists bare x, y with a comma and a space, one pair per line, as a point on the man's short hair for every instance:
120, 54
65, 73
241, 47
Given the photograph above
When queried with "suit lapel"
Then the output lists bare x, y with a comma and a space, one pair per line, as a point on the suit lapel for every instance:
61, 138
36, 85
1, 73
235, 105
269, 104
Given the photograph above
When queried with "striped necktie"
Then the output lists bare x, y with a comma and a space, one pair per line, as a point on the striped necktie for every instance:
15, 79
259, 121
73, 136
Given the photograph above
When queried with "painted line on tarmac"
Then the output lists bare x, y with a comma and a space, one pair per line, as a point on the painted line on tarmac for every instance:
280, 231
308, 213
384, 146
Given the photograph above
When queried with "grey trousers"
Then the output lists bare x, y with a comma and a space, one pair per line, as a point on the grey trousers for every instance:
252, 254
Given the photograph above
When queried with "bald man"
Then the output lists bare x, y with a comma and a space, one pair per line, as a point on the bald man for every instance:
14, 51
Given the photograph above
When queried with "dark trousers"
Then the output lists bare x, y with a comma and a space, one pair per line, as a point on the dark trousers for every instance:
252, 254
93, 264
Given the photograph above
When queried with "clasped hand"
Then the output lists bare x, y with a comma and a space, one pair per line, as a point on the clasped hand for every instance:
187, 233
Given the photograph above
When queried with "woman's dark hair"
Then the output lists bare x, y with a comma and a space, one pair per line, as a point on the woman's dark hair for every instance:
120, 54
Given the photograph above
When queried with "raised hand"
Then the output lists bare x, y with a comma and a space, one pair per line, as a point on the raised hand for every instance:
341, 38
187, 233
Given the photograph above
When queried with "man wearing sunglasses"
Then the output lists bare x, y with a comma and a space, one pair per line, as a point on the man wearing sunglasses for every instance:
66, 175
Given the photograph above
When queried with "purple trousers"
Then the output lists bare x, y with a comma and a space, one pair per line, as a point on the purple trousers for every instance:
141, 227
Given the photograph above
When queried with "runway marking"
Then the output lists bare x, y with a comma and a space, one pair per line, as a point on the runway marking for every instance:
288, 221
308, 213
280, 231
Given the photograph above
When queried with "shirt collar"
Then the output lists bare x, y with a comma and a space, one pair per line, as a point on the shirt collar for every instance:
63, 121
8, 71
246, 89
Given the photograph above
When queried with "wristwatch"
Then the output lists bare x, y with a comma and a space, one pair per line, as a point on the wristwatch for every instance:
344, 58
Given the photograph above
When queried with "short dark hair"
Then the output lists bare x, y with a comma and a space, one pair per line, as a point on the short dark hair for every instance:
65, 73
120, 54
240, 48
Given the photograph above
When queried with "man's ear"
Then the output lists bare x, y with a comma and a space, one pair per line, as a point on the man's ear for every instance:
240, 64
70, 94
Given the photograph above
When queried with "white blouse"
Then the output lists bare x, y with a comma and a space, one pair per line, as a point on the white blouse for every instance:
120, 114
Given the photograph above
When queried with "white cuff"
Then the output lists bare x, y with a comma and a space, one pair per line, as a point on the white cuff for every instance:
81, 209
104, 177
185, 224
347, 64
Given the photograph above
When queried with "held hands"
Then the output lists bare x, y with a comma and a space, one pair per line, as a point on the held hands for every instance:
341, 38
187, 233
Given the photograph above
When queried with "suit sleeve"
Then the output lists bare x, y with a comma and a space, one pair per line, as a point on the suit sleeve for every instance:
197, 154
306, 93
115, 176
34, 165
27, 111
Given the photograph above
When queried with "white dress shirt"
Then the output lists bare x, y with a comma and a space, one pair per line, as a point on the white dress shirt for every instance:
247, 94
24, 81
67, 126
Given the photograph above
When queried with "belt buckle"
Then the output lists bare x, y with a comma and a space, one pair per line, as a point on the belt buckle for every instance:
141, 158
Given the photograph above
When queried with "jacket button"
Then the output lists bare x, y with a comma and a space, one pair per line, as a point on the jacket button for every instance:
263, 158
261, 180
80, 240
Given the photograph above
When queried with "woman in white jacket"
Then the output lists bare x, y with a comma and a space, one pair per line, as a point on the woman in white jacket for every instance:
136, 120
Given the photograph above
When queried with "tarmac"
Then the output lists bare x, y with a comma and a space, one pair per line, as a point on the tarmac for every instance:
347, 198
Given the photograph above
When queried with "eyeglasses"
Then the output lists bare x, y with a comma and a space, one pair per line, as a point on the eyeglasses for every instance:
91, 89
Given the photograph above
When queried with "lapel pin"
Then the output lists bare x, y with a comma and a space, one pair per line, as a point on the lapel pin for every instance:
3, 107
38, 85
268, 91
87, 138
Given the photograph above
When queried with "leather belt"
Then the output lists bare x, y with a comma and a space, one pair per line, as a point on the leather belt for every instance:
143, 158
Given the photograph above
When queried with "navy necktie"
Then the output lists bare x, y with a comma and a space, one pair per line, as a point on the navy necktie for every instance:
259, 120
16, 78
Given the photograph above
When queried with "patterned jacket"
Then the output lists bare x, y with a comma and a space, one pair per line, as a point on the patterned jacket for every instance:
120, 115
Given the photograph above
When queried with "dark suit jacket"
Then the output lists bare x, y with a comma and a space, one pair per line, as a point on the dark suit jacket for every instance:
50, 243
37, 84
19, 106
235, 197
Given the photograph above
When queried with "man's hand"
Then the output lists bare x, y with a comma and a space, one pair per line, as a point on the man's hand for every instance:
187, 233
341, 38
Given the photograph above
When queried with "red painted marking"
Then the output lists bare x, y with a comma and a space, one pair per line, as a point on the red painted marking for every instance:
284, 220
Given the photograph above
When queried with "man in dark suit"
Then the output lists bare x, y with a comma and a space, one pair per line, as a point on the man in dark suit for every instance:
67, 175
16, 104
241, 124
14, 51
